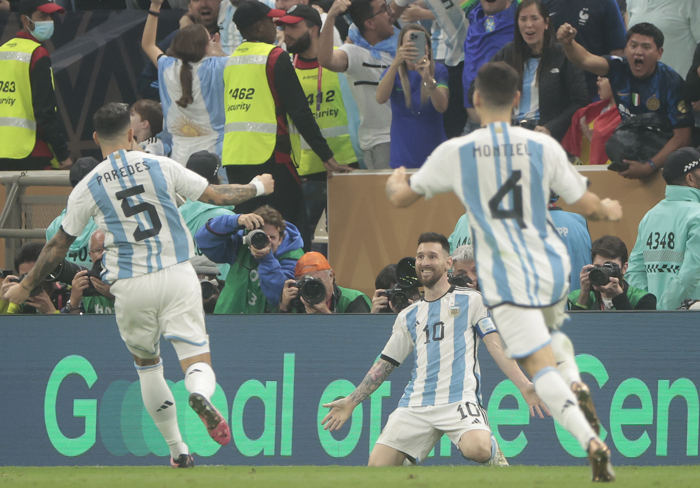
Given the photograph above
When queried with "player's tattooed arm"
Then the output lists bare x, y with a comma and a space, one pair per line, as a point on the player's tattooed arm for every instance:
53, 253
227, 194
373, 380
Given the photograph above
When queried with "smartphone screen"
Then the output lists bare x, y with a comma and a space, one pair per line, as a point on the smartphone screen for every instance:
418, 39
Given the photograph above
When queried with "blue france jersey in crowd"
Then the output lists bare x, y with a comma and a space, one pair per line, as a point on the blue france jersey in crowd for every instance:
443, 337
131, 197
503, 175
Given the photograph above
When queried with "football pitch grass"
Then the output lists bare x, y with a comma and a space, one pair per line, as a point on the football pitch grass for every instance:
337, 477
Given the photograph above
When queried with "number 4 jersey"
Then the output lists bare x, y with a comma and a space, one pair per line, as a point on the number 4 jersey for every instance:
444, 336
131, 197
503, 175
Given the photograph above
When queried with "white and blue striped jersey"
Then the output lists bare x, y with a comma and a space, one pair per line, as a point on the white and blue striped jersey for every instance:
503, 176
444, 336
131, 197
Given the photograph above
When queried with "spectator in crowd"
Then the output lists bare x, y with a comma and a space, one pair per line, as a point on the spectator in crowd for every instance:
640, 84
609, 254
462, 235
79, 251
372, 50
692, 82
230, 35
147, 122
289, 4
491, 26
48, 297
573, 230
326, 93
204, 12
553, 88
464, 264
337, 300
143, 4
267, 113
258, 274
678, 20
386, 283
601, 29
208, 275
101, 301
451, 20
191, 76
419, 96
195, 213
592, 126
31, 129
665, 260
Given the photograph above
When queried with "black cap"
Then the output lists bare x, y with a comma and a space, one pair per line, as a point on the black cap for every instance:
81, 168
298, 13
250, 11
679, 163
28, 7
205, 164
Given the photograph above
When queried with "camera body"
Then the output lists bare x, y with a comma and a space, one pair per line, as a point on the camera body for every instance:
312, 290
600, 275
397, 296
460, 280
256, 238
66, 271
528, 124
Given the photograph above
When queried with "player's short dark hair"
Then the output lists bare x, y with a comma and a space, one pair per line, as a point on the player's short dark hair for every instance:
112, 120
361, 11
609, 247
649, 30
28, 253
151, 111
497, 83
386, 278
435, 237
272, 217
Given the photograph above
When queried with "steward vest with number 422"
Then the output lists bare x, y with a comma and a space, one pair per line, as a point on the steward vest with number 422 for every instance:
322, 90
17, 122
250, 133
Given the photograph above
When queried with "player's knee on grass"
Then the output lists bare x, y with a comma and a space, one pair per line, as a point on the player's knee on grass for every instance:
476, 445
385, 456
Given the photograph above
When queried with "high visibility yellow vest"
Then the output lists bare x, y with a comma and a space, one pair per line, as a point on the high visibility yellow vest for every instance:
250, 133
329, 110
17, 122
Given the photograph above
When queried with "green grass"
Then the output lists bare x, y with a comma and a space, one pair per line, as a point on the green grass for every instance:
337, 477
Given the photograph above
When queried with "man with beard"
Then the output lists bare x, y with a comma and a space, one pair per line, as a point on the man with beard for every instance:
640, 84
324, 94
443, 329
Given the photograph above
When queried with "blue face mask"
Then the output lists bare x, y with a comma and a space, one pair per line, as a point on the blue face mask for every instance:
43, 30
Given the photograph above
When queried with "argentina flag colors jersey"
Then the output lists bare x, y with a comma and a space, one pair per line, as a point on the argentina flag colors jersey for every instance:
131, 197
503, 175
444, 336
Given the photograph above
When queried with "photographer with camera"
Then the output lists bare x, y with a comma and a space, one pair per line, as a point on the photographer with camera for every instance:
262, 249
396, 287
89, 294
208, 274
314, 290
464, 268
603, 286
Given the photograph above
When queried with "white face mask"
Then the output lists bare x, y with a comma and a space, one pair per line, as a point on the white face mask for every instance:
43, 30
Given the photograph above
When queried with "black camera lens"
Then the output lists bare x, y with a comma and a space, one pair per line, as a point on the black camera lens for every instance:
258, 239
313, 291
600, 276
399, 300
461, 280
65, 272
406, 276
208, 289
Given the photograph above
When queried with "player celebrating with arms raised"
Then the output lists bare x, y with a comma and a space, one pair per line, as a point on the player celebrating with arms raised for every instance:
444, 394
131, 197
504, 175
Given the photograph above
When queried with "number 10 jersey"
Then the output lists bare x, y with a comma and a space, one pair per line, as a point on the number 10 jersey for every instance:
131, 197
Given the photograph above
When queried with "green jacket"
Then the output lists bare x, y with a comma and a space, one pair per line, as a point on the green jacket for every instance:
461, 235
196, 215
78, 251
98, 305
345, 300
631, 299
665, 260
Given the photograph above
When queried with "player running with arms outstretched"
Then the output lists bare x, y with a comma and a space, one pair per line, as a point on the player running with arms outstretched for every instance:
131, 196
444, 395
503, 175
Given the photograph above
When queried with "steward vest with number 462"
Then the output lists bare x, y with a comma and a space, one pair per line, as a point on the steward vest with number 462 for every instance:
17, 122
250, 133
322, 90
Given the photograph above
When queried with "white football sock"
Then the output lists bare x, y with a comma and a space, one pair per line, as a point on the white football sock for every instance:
200, 378
160, 404
561, 402
566, 361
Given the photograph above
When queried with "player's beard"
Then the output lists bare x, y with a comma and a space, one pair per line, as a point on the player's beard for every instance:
300, 45
431, 281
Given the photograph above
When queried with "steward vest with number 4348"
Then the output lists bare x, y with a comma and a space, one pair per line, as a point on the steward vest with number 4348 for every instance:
250, 133
322, 90
17, 122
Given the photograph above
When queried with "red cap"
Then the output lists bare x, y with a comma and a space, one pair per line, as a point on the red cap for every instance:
310, 262
28, 7
50, 8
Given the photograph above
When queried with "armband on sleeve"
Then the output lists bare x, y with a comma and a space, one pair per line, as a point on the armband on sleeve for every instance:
485, 327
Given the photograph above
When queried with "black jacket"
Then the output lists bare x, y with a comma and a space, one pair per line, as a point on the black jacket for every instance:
692, 80
562, 89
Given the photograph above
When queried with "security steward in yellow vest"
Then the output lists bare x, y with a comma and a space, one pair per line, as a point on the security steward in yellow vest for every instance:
301, 27
266, 112
32, 136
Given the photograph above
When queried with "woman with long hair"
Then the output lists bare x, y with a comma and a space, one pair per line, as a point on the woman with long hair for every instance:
419, 95
191, 79
553, 88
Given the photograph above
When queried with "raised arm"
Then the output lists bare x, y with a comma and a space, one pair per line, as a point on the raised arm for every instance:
593, 208
341, 410
236, 194
578, 55
398, 191
334, 60
148, 40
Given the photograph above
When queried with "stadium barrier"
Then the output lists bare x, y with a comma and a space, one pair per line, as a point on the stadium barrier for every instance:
72, 396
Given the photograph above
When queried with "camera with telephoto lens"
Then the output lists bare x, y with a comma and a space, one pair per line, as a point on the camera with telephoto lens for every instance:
460, 280
66, 271
312, 290
601, 274
406, 278
256, 238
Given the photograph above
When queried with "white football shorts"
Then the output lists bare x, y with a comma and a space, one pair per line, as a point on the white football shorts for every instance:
168, 303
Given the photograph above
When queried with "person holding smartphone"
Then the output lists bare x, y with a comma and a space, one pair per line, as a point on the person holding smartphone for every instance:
417, 88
